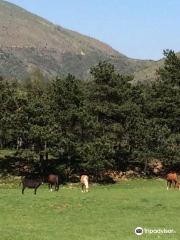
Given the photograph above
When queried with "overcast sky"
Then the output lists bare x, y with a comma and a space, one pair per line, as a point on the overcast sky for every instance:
139, 29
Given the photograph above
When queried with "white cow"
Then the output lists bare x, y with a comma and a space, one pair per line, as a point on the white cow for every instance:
84, 183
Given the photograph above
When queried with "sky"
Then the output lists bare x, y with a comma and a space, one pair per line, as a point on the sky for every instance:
139, 29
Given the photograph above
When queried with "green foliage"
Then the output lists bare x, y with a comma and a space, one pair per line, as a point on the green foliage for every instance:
170, 73
97, 156
162, 107
106, 123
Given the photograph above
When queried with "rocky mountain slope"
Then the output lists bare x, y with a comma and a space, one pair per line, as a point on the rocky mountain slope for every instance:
29, 42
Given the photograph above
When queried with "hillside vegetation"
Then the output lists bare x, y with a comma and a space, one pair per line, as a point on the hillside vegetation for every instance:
150, 73
28, 42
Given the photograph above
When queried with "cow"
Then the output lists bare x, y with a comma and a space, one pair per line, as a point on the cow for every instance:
84, 183
172, 178
53, 180
30, 183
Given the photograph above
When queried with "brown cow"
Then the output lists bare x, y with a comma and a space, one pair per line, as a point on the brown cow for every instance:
172, 178
30, 183
84, 183
53, 180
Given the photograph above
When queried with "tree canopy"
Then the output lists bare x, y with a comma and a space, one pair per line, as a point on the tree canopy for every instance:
97, 125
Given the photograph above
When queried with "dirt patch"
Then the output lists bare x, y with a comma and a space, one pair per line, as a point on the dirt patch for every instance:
156, 166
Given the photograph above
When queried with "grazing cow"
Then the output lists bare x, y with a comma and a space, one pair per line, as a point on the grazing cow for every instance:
172, 178
53, 180
30, 183
84, 183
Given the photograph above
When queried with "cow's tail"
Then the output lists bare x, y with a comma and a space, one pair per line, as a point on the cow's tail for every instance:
57, 182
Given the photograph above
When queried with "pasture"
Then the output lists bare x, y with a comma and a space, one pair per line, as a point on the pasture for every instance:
107, 212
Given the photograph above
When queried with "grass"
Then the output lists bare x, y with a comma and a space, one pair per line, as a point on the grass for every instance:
108, 212
6, 152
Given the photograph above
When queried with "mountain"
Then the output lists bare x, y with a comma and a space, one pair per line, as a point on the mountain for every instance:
149, 74
29, 42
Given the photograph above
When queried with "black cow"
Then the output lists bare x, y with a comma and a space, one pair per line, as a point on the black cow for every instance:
53, 180
31, 183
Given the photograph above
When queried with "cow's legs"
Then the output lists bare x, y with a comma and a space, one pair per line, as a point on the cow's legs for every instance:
35, 190
50, 186
82, 188
170, 183
57, 186
23, 190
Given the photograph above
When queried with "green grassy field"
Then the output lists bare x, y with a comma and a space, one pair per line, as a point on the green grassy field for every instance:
107, 212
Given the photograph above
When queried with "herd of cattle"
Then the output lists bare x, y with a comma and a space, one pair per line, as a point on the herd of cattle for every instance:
52, 180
